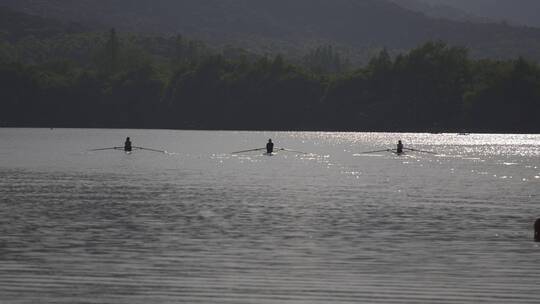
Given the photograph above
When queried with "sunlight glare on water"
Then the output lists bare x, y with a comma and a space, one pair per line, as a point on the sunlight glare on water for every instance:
201, 225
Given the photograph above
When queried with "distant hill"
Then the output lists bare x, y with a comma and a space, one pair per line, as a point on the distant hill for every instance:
520, 12
292, 25
15, 25
441, 10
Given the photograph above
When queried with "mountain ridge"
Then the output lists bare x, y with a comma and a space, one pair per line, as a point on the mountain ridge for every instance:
522, 12
281, 25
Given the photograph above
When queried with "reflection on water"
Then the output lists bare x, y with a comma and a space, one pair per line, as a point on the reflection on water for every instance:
204, 226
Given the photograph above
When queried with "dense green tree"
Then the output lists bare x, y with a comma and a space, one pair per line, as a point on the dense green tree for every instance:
8, 53
429, 84
324, 60
505, 97
112, 47
433, 87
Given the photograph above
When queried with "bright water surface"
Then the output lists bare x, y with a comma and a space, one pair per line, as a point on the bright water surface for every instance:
199, 225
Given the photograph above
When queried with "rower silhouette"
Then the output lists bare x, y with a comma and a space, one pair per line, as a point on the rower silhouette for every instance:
127, 145
537, 230
399, 149
270, 147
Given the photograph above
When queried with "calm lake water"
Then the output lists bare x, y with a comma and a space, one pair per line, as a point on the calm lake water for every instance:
200, 225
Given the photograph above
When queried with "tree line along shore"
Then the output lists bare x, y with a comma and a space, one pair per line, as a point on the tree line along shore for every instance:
125, 81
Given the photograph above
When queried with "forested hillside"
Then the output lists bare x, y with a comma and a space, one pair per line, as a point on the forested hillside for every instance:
523, 12
293, 26
438, 10
15, 25
57, 74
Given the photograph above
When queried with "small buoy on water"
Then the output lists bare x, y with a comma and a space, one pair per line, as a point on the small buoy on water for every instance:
537, 230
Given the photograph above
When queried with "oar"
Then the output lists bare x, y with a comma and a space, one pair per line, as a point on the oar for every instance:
369, 152
245, 151
292, 151
148, 149
422, 151
103, 149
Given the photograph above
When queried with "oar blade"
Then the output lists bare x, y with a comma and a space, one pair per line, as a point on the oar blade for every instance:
152, 150
376, 151
292, 151
246, 151
104, 149
421, 151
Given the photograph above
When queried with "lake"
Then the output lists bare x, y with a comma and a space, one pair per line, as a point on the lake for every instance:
201, 225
